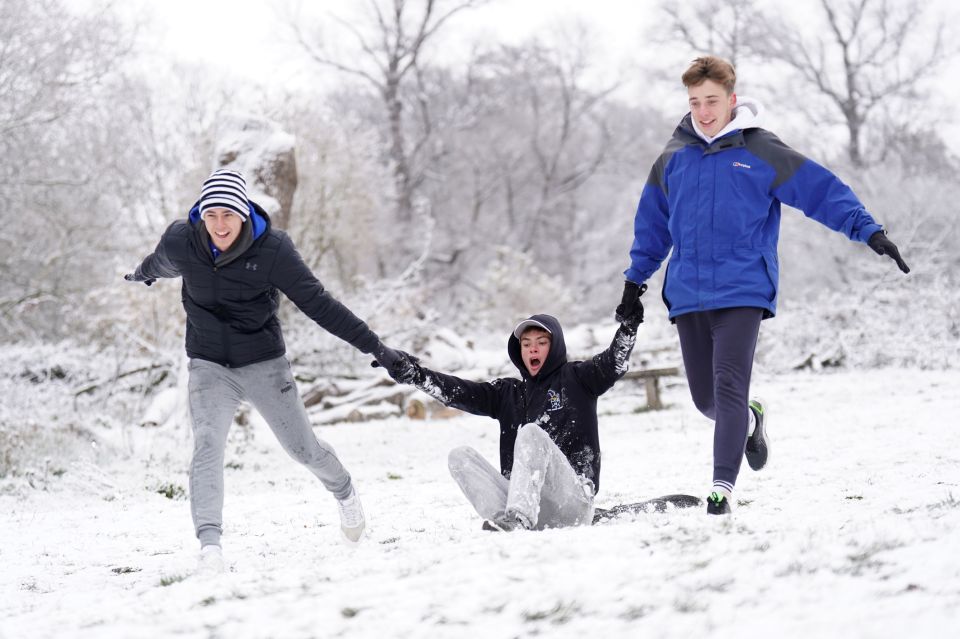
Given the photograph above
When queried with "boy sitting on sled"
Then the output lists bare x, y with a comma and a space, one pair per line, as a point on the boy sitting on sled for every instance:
549, 446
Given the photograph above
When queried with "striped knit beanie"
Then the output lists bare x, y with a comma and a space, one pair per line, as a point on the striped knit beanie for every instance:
226, 189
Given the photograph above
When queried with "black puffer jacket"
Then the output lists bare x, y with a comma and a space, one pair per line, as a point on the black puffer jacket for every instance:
561, 399
232, 303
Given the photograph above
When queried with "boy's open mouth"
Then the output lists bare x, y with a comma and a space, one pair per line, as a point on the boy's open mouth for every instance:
535, 362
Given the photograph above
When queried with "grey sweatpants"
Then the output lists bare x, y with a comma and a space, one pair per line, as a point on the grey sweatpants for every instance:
543, 487
215, 392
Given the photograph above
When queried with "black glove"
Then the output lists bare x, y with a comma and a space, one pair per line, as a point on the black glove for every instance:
386, 357
880, 243
632, 321
630, 303
405, 369
132, 277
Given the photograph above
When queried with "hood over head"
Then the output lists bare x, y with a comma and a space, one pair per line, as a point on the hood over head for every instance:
558, 348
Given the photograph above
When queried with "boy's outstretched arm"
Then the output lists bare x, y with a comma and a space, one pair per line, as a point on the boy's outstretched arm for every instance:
157, 264
478, 398
603, 370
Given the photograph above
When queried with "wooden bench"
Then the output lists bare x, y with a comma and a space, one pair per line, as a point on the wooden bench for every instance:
651, 379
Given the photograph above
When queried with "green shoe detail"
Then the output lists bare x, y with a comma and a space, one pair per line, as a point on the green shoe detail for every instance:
716, 498
757, 406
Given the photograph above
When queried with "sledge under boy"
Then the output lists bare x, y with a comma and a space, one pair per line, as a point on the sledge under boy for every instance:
549, 447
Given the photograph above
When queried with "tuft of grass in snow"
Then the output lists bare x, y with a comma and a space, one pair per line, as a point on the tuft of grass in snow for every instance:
169, 580
948, 502
559, 614
689, 604
797, 568
866, 559
636, 612
171, 491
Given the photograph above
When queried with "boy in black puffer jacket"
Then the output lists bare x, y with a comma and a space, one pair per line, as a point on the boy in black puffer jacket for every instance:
549, 446
233, 265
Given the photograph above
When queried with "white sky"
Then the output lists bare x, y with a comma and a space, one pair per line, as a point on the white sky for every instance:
246, 39
248, 35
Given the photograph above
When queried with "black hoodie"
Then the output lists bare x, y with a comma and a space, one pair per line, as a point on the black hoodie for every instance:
561, 399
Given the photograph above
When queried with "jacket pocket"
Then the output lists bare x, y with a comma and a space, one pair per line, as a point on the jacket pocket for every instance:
772, 269
666, 279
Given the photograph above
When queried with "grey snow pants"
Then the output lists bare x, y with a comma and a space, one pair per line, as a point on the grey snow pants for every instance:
215, 391
543, 487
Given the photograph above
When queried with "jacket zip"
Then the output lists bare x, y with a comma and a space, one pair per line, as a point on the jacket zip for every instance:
224, 328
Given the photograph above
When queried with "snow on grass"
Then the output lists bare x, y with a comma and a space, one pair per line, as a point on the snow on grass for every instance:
853, 530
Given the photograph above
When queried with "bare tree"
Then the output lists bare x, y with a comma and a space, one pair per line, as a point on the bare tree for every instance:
339, 204
569, 138
56, 67
522, 136
871, 51
48, 55
725, 29
536, 134
391, 51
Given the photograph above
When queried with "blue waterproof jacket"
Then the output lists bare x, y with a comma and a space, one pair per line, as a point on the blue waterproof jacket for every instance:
717, 206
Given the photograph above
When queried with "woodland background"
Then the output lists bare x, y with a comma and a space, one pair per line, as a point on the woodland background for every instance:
443, 186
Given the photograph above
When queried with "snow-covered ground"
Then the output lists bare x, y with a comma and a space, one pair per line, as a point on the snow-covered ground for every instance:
853, 530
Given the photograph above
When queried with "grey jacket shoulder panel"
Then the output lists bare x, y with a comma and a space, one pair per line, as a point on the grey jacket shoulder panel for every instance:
772, 150
659, 168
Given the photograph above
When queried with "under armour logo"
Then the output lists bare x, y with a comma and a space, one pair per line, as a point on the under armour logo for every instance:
250, 266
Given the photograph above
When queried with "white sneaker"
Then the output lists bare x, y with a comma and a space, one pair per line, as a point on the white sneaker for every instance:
211, 561
352, 522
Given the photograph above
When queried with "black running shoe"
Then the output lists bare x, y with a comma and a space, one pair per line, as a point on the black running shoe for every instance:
758, 448
717, 504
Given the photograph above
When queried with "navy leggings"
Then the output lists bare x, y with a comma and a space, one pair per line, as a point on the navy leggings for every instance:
718, 348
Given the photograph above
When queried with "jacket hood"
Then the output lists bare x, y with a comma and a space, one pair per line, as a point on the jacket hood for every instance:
748, 114
557, 356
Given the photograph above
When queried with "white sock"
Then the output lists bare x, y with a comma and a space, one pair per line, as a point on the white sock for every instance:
723, 488
751, 422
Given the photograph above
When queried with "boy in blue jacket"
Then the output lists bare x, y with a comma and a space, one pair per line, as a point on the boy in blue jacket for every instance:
549, 445
713, 197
